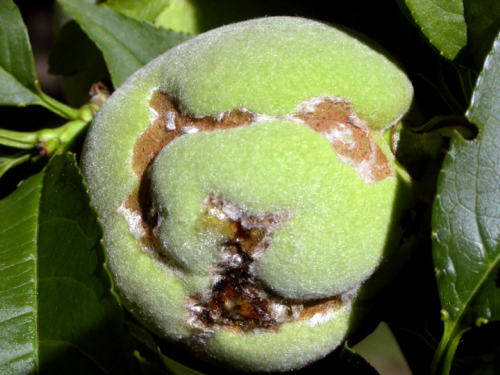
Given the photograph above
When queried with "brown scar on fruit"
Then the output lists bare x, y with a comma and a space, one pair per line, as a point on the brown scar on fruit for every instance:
350, 136
334, 118
238, 301
171, 121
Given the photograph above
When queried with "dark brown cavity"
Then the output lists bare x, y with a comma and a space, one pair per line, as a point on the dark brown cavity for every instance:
238, 300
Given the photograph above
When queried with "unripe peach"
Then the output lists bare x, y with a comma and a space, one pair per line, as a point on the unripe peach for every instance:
246, 189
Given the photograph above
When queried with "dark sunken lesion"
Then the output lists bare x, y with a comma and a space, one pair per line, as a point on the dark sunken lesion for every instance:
238, 300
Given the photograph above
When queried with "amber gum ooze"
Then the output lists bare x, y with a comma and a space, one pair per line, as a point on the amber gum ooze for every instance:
237, 300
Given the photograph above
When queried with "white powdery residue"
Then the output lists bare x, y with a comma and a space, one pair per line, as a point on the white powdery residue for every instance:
231, 260
189, 130
342, 134
134, 221
219, 116
194, 309
365, 171
231, 211
279, 312
346, 160
325, 316
169, 119
359, 123
259, 119
346, 299
154, 114
309, 105
319, 318
350, 295
217, 213
296, 310
291, 118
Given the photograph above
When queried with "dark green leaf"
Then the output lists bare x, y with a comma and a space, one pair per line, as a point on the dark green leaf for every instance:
17, 68
351, 362
77, 58
72, 51
442, 22
145, 10
10, 161
12, 92
483, 24
466, 218
18, 231
16, 58
127, 44
57, 310
18, 83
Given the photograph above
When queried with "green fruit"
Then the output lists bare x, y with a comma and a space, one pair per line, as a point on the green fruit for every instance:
246, 189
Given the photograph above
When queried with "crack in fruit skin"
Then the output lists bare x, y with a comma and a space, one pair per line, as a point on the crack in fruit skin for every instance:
331, 117
238, 299
291, 142
161, 132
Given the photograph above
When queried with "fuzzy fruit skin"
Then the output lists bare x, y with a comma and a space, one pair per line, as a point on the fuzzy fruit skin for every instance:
269, 67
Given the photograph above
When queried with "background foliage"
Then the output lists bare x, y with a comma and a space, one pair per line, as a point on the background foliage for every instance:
58, 313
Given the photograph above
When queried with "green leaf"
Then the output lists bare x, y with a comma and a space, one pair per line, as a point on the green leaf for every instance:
74, 56
72, 51
57, 312
144, 10
18, 82
127, 44
17, 68
16, 58
442, 22
18, 228
466, 219
351, 362
483, 24
10, 161
12, 92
